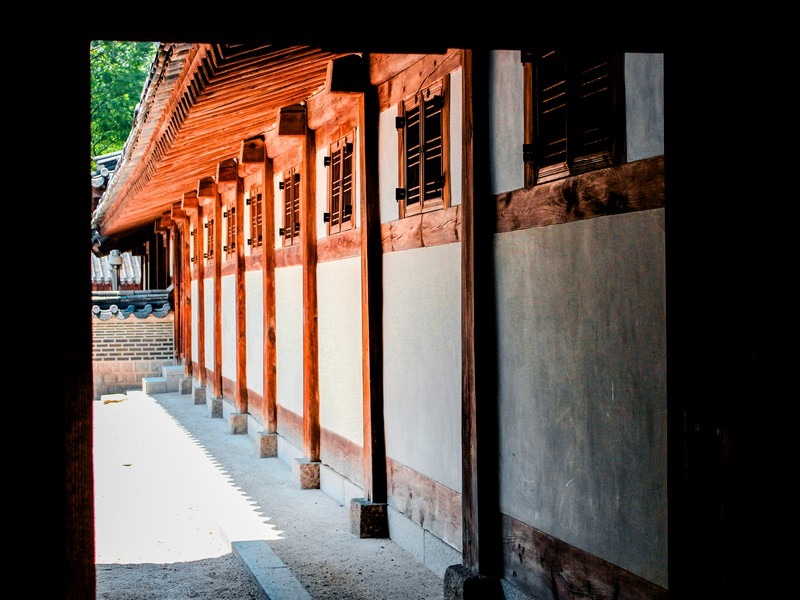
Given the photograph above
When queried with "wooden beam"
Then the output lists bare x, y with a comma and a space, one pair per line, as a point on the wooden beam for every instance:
189, 201
308, 241
371, 303
186, 296
227, 175
252, 155
206, 189
241, 303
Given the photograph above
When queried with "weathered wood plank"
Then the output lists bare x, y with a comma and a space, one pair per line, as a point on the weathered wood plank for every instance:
416, 75
340, 245
342, 455
425, 501
217, 381
427, 229
534, 560
631, 187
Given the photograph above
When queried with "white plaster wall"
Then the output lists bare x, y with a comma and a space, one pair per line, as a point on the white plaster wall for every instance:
254, 292
289, 337
388, 164
456, 134
644, 105
208, 313
422, 360
506, 121
195, 320
229, 327
340, 367
582, 385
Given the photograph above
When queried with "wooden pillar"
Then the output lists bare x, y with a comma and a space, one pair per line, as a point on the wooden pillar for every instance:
270, 397
480, 509
182, 225
200, 303
241, 302
308, 243
191, 207
371, 302
217, 383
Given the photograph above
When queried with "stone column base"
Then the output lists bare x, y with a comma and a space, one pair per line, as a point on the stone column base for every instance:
237, 423
462, 583
199, 395
367, 519
185, 385
266, 444
214, 406
305, 474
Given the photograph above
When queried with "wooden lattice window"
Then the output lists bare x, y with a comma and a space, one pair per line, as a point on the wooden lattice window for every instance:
290, 184
575, 118
340, 185
424, 149
229, 214
256, 201
209, 227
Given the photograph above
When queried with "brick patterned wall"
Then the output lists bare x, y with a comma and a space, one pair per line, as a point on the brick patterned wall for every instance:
126, 350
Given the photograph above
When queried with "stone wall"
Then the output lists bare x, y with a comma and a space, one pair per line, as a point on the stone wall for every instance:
126, 350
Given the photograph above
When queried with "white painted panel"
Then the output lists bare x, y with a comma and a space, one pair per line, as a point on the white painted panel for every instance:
644, 105
422, 360
582, 385
208, 313
289, 337
340, 357
388, 164
506, 121
456, 134
229, 327
254, 291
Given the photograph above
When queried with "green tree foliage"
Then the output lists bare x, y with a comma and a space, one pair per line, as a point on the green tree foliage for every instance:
118, 74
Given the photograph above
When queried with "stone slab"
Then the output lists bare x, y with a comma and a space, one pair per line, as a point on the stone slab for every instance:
368, 519
305, 474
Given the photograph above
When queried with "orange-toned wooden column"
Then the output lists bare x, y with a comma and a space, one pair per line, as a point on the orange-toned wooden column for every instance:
240, 399
206, 192
181, 218
217, 382
308, 241
270, 402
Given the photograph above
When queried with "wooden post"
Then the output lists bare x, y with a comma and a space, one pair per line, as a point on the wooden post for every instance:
371, 302
308, 241
241, 302
217, 296
201, 300
480, 508
270, 398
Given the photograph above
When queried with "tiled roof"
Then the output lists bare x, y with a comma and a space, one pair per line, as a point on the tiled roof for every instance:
129, 273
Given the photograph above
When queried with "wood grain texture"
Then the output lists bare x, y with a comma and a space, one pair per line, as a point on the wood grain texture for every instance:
290, 426
615, 190
308, 241
534, 560
217, 381
425, 501
288, 256
270, 404
342, 455
240, 399
341, 245
419, 231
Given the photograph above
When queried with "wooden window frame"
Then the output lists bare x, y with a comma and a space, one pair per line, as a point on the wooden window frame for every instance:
256, 201
230, 230
341, 164
209, 227
434, 184
290, 185
606, 115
